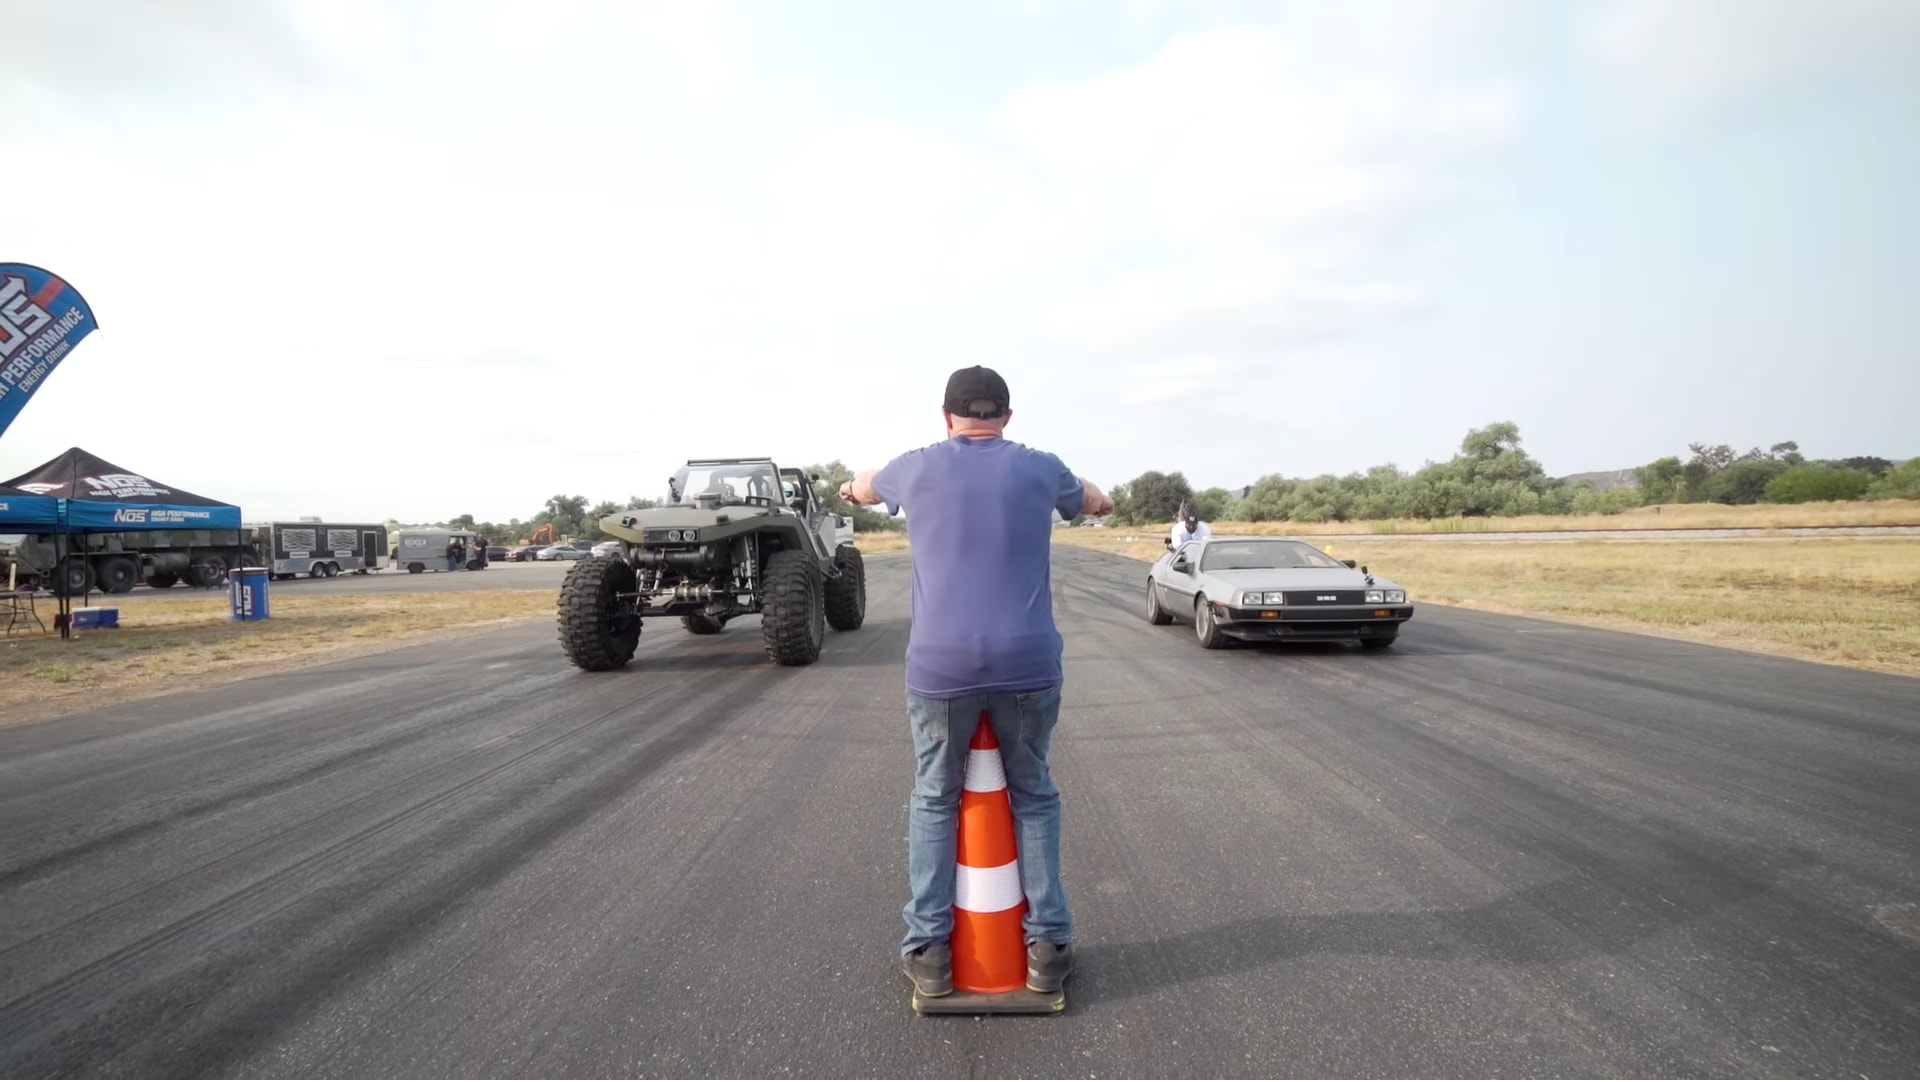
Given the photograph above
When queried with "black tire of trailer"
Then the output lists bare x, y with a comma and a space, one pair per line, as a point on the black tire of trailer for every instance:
162, 580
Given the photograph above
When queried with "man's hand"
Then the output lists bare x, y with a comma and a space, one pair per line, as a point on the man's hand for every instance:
1095, 501
860, 489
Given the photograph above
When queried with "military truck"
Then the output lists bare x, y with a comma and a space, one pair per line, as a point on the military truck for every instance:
731, 540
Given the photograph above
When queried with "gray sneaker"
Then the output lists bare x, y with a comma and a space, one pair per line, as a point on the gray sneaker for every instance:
1048, 965
930, 968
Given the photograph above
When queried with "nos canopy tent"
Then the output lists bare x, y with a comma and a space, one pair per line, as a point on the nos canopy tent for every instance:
23, 512
96, 496
92, 495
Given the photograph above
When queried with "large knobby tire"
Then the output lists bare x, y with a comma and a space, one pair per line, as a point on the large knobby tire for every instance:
847, 595
598, 631
699, 623
793, 619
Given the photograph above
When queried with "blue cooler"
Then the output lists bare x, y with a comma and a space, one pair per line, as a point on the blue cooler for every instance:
247, 592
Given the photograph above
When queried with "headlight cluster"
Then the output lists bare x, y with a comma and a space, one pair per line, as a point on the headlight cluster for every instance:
1386, 597
683, 535
1255, 597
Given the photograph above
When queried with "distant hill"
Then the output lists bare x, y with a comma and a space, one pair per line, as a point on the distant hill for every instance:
1605, 479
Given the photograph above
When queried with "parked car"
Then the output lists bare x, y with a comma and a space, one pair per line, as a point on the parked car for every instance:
567, 550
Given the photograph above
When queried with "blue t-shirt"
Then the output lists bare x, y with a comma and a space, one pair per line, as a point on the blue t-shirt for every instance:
980, 529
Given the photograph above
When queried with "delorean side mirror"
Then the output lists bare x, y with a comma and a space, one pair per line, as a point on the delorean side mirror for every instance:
1350, 563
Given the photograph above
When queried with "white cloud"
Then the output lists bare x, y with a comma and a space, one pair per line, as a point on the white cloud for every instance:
553, 253
1255, 198
1669, 66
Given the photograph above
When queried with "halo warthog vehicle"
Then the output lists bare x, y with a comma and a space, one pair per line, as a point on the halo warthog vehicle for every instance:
737, 536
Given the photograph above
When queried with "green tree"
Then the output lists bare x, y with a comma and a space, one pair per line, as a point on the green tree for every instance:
1706, 462
1152, 497
1661, 481
1808, 483
1902, 482
566, 514
1742, 482
1873, 464
865, 519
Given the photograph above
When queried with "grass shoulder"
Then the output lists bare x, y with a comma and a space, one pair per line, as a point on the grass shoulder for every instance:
1683, 516
167, 644
1839, 600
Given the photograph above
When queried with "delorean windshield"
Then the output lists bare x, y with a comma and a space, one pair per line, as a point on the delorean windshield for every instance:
733, 484
1263, 555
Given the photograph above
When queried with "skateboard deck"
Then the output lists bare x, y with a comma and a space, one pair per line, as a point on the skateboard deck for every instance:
1018, 1001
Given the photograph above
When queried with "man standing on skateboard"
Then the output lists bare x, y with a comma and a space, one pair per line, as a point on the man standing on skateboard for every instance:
980, 522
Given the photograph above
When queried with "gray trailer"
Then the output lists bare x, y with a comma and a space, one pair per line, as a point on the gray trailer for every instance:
318, 548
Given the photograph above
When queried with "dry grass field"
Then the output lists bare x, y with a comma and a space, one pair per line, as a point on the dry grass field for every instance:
880, 541
1692, 516
167, 644
1843, 600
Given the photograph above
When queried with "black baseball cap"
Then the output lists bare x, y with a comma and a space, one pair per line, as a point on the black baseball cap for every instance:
977, 392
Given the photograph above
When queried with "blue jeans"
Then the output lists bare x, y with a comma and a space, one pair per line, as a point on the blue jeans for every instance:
942, 731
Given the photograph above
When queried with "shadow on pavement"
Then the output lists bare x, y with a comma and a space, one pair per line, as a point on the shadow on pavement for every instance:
1601, 908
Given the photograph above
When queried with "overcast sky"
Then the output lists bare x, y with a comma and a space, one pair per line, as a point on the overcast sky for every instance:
558, 247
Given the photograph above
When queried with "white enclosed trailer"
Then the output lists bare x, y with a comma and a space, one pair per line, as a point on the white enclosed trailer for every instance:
319, 548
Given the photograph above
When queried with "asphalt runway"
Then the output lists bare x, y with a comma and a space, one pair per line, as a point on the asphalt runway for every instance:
1504, 847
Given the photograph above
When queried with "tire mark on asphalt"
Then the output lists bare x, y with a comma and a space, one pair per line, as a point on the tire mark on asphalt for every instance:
327, 971
66, 995
413, 731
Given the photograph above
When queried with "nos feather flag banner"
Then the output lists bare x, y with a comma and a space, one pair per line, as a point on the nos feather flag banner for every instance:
41, 319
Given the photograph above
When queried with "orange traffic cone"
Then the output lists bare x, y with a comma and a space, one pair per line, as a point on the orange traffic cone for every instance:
989, 941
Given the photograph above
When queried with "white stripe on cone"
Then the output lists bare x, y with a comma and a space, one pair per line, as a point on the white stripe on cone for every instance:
985, 774
987, 890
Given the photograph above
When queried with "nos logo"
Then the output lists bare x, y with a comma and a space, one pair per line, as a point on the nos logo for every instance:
130, 514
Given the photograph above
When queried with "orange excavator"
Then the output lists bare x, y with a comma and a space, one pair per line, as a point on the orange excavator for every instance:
545, 535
